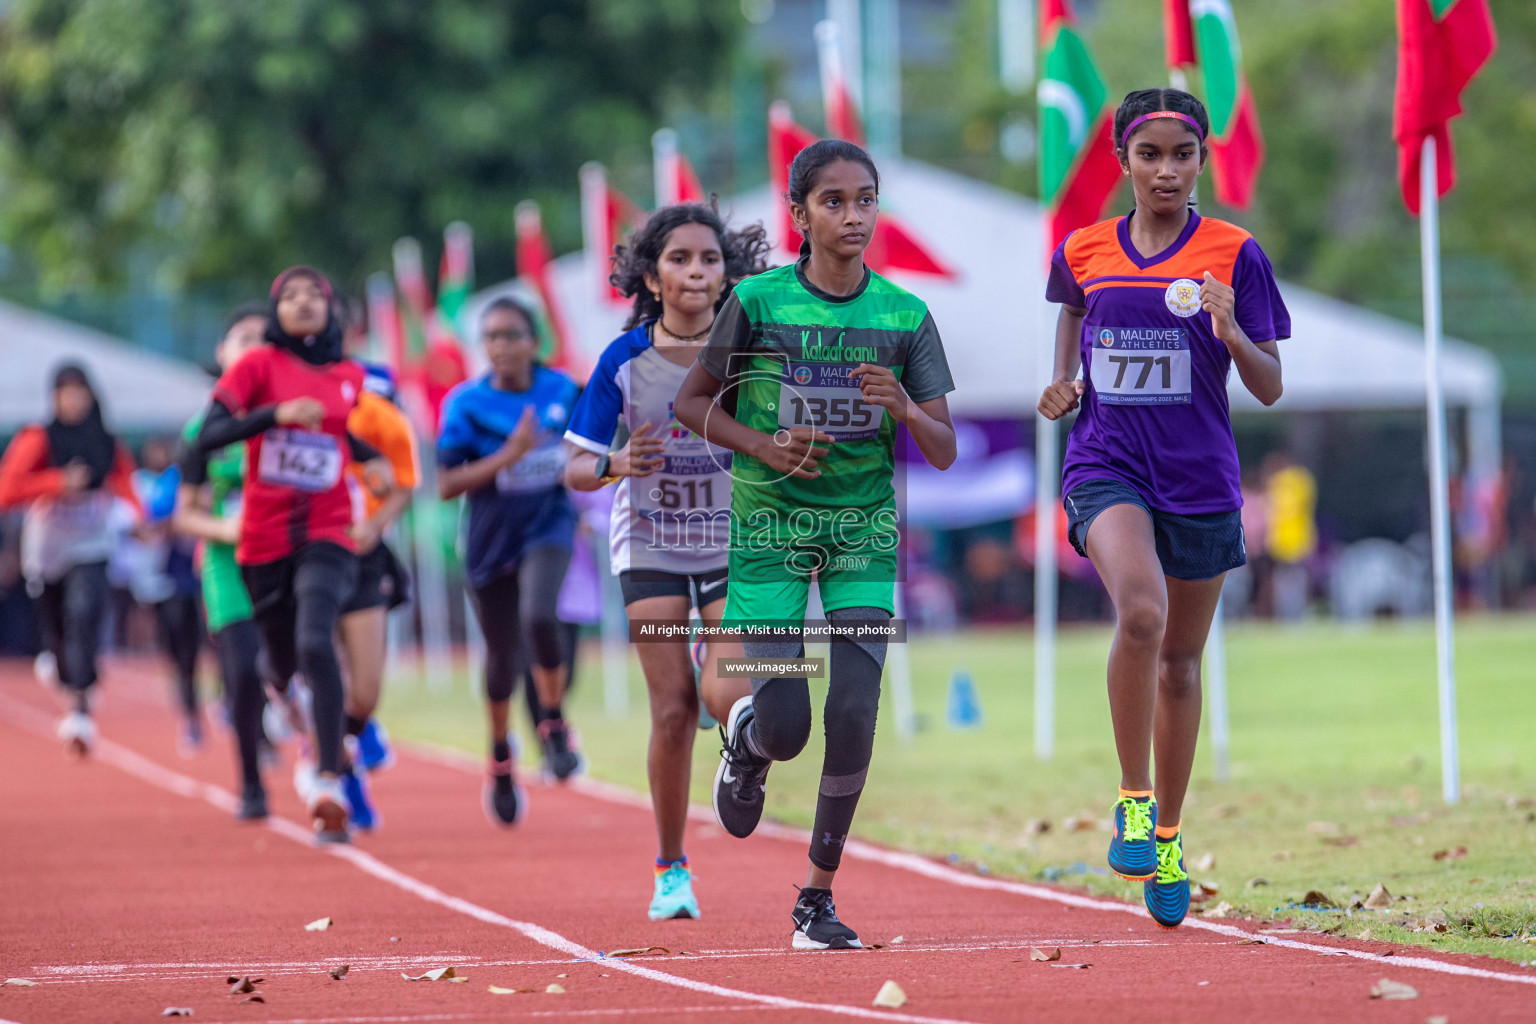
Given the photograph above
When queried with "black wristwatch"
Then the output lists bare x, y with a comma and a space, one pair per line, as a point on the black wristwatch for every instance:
600, 470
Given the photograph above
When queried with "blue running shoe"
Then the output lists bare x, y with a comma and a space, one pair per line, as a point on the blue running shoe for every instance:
674, 894
1167, 893
363, 816
374, 753
1132, 855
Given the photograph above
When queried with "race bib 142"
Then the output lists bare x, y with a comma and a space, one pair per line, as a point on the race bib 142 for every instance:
299, 459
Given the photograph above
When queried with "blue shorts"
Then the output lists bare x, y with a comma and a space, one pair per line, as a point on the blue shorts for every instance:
1198, 547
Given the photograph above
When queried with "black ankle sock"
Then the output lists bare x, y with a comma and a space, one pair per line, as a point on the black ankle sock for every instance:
355, 725
501, 750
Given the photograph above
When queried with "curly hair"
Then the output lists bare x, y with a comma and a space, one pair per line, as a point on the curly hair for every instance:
745, 251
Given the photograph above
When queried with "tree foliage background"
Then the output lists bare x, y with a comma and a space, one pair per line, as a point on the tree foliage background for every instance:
215, 140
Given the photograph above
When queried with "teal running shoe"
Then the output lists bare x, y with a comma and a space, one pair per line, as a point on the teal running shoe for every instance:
674, 895
1167, 893
1131, 852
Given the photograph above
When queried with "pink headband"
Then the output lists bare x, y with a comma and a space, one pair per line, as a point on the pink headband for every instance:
1126, 137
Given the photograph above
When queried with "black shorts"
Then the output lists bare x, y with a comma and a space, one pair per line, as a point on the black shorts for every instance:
382, 582
1199, 547
702, 588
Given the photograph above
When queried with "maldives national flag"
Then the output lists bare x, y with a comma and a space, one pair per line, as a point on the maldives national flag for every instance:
841, 110
893, 248
676, 181
1441, 45
607, 218
1178, 34
455, 279
534, 262
386, 336
1078, 169
1237, 147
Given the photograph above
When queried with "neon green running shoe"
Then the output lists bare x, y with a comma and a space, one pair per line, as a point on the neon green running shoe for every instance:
674, 894
1131, 853
1167, 893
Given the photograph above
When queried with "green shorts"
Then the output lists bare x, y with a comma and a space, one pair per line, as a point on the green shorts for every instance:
773, 586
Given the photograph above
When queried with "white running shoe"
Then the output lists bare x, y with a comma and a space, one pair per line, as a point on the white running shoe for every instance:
328, 810
305, 777
46, 668
78, 731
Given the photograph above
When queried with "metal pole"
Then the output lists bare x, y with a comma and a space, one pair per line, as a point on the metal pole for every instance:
1439, 511
1216, 686
432, 583
901, 680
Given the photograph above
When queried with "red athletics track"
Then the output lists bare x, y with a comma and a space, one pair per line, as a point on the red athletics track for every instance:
126, 888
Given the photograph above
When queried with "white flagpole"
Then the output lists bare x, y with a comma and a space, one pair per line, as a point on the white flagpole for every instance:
1439, 511
664, 166
1047, 488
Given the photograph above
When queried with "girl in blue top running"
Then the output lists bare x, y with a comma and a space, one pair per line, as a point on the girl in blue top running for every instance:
500, 443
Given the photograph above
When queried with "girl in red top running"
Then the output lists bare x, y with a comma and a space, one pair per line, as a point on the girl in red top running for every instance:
289, 401
68, 474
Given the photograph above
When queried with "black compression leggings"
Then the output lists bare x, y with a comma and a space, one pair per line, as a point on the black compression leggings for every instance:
238, 645
517, 618
570, 642
781, 725
296, 602
73, 608
181, 634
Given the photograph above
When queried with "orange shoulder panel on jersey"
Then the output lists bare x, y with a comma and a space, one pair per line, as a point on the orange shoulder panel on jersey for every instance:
1095, 251
376, 421
1214, 247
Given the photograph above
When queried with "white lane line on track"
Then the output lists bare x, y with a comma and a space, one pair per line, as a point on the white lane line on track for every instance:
29, 719
528, 1015
860, 850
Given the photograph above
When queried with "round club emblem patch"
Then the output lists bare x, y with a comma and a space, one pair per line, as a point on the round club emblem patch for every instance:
802, 375
1183, 297
1107, 338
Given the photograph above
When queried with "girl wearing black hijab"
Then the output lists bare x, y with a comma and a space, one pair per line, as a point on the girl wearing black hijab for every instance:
68, 473
289, 401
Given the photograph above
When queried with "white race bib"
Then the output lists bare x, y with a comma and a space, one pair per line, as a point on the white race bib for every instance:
822, 395
1141, 365
539, 470
299, 459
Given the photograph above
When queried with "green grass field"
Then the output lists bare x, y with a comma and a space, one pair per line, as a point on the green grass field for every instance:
1335, 773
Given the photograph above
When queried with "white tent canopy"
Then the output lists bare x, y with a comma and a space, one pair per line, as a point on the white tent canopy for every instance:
139, 390
994, 313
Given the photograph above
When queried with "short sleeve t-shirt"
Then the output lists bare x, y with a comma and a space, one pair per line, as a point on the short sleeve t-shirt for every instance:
1154, 414
296, 489
678, 518
224, 595
526, 506
784, 350
377, 422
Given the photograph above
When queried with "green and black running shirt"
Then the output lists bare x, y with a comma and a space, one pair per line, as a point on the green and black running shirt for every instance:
786, 348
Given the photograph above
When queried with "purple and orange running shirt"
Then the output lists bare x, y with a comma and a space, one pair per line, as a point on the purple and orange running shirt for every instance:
1154, 414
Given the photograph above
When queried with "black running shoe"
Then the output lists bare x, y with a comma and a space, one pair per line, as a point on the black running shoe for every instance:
816, 923
253, 803
504, 798
742, 776
560, 756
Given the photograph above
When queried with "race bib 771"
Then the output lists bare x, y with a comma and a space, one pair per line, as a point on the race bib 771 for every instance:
1141, 365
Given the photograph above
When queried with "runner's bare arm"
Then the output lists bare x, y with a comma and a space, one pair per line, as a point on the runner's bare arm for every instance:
1061, 394
789, 451
472, 476
929, 422
1258, 362
193, 519
640, 456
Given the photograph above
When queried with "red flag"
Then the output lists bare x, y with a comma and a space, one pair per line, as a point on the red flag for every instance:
1237, 147
893, 246
1178, 33
607, 218
534, 260
1077, 165
1441, 45
675, 180
841, 111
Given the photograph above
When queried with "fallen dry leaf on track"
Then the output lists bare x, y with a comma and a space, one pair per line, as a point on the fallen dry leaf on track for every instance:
1314, 898
1366, 936
1379, 899
1199, 892
898, 940
1080, 967
1220, 910
891, 995
337, 973
554, 989
1454, 853
562, 975
253, 999
320, 925
240, 986
176, 1011
641, 951
439, 974
1252, 942
1205, 862
497, 990
19, 982
1386, 988
1045, 956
